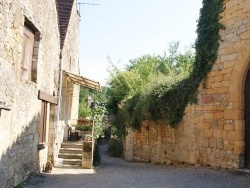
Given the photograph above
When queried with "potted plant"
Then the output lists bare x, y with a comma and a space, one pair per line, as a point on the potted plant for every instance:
84, 129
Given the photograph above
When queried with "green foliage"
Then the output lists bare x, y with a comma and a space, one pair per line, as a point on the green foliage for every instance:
98, 113
96, 156
114, 131
101, 96
86, 127
143, 82
121, 120
162, 86
83, 110
115, 148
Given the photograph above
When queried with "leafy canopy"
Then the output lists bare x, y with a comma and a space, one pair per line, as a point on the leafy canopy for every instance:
162, 86
134, 89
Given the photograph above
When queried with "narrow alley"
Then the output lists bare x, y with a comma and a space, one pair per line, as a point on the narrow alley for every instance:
116, 172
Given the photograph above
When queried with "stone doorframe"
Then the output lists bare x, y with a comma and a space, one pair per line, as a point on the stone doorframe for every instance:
236, 93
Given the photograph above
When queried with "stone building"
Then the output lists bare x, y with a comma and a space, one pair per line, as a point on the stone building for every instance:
216, 131
38, 95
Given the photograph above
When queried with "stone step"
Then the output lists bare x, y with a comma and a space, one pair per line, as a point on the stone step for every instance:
71, 166
70, 156
74, 162
71, 150
72, 145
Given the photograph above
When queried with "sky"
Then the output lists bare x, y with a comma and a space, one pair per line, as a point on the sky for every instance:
129, 29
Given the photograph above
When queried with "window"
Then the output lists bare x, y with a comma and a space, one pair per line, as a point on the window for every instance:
30, 46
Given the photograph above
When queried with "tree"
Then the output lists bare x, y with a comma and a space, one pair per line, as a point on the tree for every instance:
137, 90
83, 110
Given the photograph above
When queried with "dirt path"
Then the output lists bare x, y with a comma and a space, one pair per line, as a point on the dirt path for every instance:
116, 172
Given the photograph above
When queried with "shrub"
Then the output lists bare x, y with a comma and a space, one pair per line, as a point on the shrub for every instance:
115, 148
86, 127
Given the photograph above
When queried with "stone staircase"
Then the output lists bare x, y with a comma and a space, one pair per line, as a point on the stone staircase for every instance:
71, 153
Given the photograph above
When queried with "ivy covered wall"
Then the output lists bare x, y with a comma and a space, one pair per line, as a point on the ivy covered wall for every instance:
210, 131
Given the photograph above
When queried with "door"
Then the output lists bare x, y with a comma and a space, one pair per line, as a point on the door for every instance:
247, 121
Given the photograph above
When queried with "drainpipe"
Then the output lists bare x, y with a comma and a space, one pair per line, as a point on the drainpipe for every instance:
59, 104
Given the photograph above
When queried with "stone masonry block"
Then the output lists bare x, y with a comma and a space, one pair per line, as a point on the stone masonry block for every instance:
228, 22
239, 150
229, 4
87, 164
218, 78
245, 35
224, 58
237, 2
208, 115
238, 46
233, 114
225, 71
208, 133
218, 115
229, 64
235, 135
229, 127
209, 107
232, 57
212, 142
223, 89
240, 143
238, 105
229, 49
220, 144
239, 125
226, 76
241, 13
217, 84
87, 156
246, 8
226, 83
217, 133
236, 96
224, 134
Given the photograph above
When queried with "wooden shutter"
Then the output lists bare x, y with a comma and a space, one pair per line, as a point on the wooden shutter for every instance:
43, 120
27, 52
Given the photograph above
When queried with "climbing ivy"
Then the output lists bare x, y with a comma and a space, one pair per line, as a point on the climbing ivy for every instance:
207, 45
168, 100
98, 114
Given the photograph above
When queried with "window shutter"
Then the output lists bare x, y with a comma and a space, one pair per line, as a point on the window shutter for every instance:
27, 52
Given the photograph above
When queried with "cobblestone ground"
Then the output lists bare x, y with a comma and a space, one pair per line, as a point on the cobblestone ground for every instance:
116, 172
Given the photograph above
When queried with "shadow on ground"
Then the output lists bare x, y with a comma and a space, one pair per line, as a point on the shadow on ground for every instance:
116, 172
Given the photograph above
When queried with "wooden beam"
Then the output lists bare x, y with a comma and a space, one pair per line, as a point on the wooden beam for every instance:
47, 97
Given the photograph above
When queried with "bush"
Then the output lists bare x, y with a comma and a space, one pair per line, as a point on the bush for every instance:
115, 148
87, 127
97, 156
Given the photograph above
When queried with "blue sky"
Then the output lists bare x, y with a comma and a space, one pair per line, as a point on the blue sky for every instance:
128, 29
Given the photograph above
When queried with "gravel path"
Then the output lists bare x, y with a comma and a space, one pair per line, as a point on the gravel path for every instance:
118, 173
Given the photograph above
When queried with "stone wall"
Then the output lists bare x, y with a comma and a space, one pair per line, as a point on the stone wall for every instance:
19, 154
70, 62
161, 144
71, 58
212, 132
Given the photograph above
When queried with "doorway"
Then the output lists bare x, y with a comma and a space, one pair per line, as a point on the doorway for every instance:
247, 120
